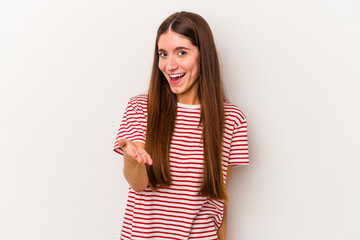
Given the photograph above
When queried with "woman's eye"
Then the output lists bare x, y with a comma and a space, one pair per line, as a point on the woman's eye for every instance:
181, 53
162, 54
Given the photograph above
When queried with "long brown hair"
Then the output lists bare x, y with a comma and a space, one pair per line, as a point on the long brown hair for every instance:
162, 105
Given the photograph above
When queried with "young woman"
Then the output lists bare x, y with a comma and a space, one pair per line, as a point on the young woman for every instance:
181, 140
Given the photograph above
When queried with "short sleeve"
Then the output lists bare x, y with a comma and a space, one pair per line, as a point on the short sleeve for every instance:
133, 125
239, 152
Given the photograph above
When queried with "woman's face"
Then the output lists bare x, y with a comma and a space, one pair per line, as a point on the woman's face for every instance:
179, 62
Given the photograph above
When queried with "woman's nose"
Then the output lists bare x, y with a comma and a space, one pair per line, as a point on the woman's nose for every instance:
171, 64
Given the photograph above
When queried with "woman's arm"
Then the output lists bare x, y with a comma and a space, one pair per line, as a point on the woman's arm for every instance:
222, 228
135, 158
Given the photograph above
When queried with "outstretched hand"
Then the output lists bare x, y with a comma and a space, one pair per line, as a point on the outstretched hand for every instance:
134, 151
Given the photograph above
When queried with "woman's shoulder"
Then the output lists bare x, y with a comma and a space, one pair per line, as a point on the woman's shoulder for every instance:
140, 99
233, 111
139, 102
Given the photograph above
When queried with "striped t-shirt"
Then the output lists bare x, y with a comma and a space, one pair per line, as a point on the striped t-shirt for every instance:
177, 212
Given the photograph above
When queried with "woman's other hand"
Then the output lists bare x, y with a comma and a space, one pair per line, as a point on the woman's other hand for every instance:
135, 151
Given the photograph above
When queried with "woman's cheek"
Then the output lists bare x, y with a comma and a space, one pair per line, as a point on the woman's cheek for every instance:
161, 66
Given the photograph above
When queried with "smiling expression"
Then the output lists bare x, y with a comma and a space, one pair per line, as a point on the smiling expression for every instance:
179, 62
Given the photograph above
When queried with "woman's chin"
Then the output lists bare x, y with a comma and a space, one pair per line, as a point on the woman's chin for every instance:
176, 90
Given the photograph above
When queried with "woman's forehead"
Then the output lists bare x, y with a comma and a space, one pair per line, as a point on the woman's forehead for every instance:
171, 39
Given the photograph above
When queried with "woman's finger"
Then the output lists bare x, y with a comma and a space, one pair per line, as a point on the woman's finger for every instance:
146, 156
148, 159
122, 142
140, 158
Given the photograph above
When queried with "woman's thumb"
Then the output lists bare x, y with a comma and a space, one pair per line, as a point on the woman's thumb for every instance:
121, 142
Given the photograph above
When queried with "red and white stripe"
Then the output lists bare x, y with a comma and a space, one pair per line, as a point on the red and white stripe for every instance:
177, 212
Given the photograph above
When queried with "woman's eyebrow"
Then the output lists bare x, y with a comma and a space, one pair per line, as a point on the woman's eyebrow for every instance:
176, 49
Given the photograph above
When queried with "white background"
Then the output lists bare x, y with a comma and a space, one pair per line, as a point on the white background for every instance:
68, 68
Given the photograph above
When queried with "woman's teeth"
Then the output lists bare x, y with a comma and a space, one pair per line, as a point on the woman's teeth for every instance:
176, 76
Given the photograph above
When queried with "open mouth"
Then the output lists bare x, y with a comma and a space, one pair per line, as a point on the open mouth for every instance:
175, 78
